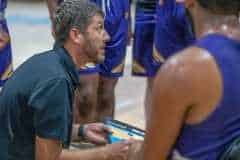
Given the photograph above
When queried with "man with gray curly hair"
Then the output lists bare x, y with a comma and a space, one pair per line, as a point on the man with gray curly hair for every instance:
95, 98
36, 114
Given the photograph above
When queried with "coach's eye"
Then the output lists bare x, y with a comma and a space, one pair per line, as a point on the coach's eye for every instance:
100, 28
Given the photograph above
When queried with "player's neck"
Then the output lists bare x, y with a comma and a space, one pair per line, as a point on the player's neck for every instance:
205, 23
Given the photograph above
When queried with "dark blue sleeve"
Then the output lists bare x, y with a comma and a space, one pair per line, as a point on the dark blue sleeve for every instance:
51, 102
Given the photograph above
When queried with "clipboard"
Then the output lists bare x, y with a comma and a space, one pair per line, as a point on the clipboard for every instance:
122, 131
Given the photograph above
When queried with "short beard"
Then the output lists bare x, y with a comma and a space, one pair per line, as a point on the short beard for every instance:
93, 57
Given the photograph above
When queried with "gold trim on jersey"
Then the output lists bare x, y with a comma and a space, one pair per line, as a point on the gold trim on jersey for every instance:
157, 55
118, 69
7, 73
5, 39
88, 65
138, 68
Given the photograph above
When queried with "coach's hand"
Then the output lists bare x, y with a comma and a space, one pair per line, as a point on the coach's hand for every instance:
96, 133
135, 149
117, 151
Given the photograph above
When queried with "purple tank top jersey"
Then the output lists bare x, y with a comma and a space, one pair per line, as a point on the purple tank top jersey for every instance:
208, 139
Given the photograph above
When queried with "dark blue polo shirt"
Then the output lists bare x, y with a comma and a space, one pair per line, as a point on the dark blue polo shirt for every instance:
37, 101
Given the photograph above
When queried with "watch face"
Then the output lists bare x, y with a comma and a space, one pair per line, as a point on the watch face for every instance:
122, 131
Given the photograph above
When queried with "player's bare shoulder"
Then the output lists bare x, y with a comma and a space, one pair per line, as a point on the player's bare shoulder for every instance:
193, 71
191, 63
185, 60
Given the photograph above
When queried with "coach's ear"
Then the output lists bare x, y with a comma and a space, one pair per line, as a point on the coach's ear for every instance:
75, 36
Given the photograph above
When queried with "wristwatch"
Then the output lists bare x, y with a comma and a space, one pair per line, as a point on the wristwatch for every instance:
81, 132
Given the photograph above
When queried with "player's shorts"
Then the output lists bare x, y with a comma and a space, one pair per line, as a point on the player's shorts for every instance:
143, 63
6, 67
173, 31
116, 24
89, 68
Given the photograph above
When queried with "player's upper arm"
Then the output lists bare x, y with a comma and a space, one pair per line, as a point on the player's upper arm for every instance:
189, 78
177, 88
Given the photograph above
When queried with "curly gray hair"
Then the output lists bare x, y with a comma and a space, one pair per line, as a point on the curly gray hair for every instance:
73, 13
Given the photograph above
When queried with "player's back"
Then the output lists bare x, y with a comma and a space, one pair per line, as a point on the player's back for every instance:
209, 138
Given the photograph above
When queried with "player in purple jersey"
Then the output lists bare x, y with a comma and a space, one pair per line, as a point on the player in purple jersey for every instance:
116, 23
145, 20
195, 105
5, 47
160, 31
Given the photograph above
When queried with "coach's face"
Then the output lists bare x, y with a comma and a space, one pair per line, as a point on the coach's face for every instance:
96, 38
